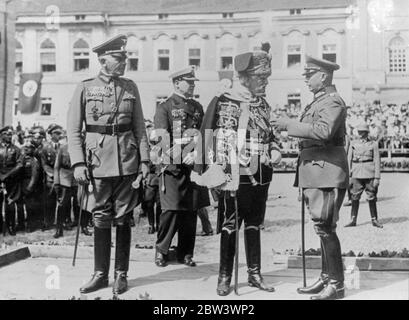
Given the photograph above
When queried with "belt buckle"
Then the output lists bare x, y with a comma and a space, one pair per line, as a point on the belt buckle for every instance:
114, 127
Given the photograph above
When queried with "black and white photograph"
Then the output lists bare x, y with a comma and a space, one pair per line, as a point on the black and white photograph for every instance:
214, 152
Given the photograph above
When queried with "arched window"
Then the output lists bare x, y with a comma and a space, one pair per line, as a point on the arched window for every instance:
19, 57
133, 49
194, 50
81, 55
397, 55
330, 45
295, 42
47, 56
227, 50
163, 45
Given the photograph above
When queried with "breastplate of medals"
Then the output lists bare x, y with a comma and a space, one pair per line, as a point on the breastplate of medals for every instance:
98, 93
260, 119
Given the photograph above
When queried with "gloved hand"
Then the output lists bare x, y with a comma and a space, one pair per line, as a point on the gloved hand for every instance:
81, 174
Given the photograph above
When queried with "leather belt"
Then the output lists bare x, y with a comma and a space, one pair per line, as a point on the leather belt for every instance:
112, 129
361, 161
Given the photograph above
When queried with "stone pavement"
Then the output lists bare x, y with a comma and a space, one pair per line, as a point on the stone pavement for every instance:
50, 278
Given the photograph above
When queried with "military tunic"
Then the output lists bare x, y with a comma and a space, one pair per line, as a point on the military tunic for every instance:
365, 163
11, 164
323, 167
178, 120
113, 152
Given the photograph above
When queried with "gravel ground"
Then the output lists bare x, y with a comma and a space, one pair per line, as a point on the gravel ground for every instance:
283, 223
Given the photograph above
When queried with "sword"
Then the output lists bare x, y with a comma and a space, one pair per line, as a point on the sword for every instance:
236, 253
82, 196
3, 207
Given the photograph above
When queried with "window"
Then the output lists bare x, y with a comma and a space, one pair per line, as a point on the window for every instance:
226, 57
163, 59
293, 99
81, 55
227, 15
293, 55
47, 56
329, 52
19, 57
45, 107
80, 17
162, 16
133, 54
194, 57
397, 56
295, 11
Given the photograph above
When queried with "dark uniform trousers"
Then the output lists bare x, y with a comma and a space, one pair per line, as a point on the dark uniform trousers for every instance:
151, 199
64, 205
13, 193
359, 185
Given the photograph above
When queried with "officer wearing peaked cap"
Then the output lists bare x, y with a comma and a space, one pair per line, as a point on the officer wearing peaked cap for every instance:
116, 148
322, 169
365, 173
10, 168
177, 121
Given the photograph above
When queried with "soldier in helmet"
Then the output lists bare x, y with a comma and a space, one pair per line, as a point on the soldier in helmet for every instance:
322, 171
116, 149
11, 165
365, 172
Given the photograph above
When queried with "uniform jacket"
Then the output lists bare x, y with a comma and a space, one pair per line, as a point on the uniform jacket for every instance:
48, 153
227, 114
175, 116
321, 129
107, 155
31, 174
63, 172
364, 159
11, 162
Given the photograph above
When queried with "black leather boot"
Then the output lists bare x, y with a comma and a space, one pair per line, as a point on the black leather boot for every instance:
59, 231
122, 251
102, 255
354, 213
160, 259
333, 291
322, 281
253, 254
11, 221
374, 213
151, 229
227, 250
85, 231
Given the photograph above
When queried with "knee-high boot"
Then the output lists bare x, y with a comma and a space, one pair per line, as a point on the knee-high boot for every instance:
335, 287
322, 281
253, 255
354, 213
374, 213
102, 256
227, 250
122, 251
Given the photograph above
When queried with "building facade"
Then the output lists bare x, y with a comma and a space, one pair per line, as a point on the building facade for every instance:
56, 37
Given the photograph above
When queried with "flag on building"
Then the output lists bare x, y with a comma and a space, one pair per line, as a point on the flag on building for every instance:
30, 92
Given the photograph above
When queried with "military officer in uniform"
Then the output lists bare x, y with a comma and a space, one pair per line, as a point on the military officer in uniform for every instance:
11, 165
322, 170
365, 172
244, 111
176, 122
116, 149
66, 188
48, 154
30, 191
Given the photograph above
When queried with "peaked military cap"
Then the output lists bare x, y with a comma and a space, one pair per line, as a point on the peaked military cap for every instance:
6, 128
115, 45
362, 127
37, 130
53, 127
185, 74
314, 64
